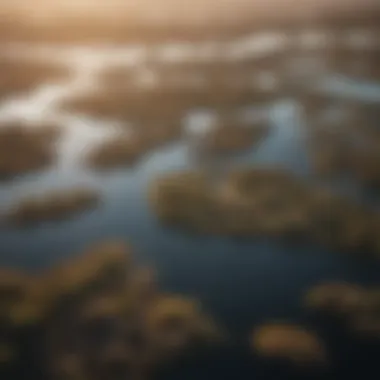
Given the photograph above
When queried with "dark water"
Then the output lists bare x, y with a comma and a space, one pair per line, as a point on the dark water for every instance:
241, 283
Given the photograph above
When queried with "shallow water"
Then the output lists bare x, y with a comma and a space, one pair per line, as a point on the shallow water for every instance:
240, 282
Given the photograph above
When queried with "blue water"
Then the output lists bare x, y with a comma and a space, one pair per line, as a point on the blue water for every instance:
241, 282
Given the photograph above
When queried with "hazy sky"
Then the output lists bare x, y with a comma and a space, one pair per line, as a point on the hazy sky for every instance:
169, 10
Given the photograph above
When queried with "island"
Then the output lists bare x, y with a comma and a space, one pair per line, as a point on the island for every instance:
112, 103
130, 103
258, 201
18, 78
6, 354
248, 202
222, 96
329, 158
356, 307
366, 167
162, 125
314, 103
173, 323
53, 206
363, 66
295, 344
336, 297
229, 137
120, 151
35, 149
350, 147
117, 76
97, 313
340, 223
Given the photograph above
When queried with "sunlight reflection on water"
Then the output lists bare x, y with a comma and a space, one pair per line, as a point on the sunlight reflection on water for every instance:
86, 64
